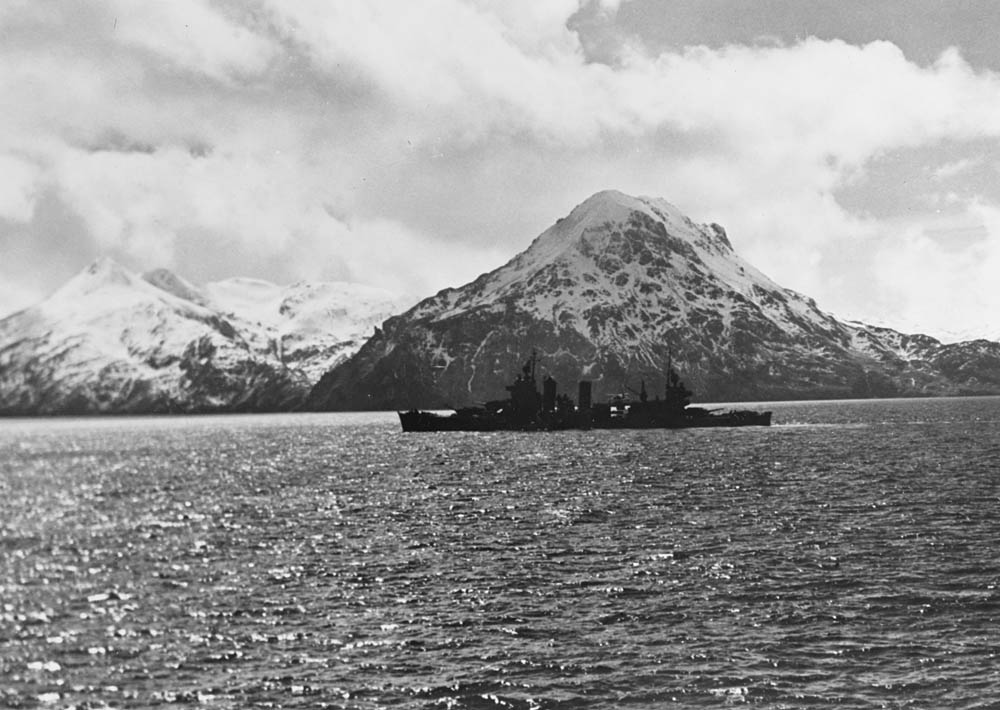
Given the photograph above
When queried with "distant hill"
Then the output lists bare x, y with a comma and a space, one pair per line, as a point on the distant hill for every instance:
112, 341
614, 290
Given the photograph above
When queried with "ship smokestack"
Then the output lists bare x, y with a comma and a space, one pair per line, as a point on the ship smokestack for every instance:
549, 394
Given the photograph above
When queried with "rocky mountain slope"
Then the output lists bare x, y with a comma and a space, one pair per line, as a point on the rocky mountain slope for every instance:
612, 291
112, 341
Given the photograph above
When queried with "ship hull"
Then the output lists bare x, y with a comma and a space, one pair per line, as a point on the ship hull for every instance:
416, 420
420, 421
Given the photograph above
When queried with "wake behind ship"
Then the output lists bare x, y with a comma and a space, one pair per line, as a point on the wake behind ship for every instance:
528, 409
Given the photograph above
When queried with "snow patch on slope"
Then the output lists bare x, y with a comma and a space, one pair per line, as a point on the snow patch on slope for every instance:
314, 325
984, 331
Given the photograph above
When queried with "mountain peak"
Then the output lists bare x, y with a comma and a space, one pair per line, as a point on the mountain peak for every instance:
608, 199
102, 273
613, 211
616, 206
613, 220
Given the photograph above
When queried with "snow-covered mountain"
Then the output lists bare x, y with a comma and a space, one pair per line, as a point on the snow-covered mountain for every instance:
615, 289
111, 340
982, 331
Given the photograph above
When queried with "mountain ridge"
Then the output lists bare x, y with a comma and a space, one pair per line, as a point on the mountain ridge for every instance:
113, 341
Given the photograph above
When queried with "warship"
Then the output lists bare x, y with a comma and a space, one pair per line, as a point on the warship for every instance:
528, 409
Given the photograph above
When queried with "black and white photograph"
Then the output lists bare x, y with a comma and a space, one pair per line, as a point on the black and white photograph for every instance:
514, 354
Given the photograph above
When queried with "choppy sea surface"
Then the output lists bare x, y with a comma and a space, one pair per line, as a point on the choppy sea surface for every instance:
848, 556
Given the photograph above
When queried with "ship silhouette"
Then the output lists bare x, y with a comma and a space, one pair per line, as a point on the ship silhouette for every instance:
527, 408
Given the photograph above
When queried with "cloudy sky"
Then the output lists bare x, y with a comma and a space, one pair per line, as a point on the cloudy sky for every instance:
851, 148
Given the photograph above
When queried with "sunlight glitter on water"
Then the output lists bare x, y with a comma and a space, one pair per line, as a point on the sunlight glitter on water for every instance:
330, 560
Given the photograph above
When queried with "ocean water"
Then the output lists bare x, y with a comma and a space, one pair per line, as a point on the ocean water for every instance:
846, 557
